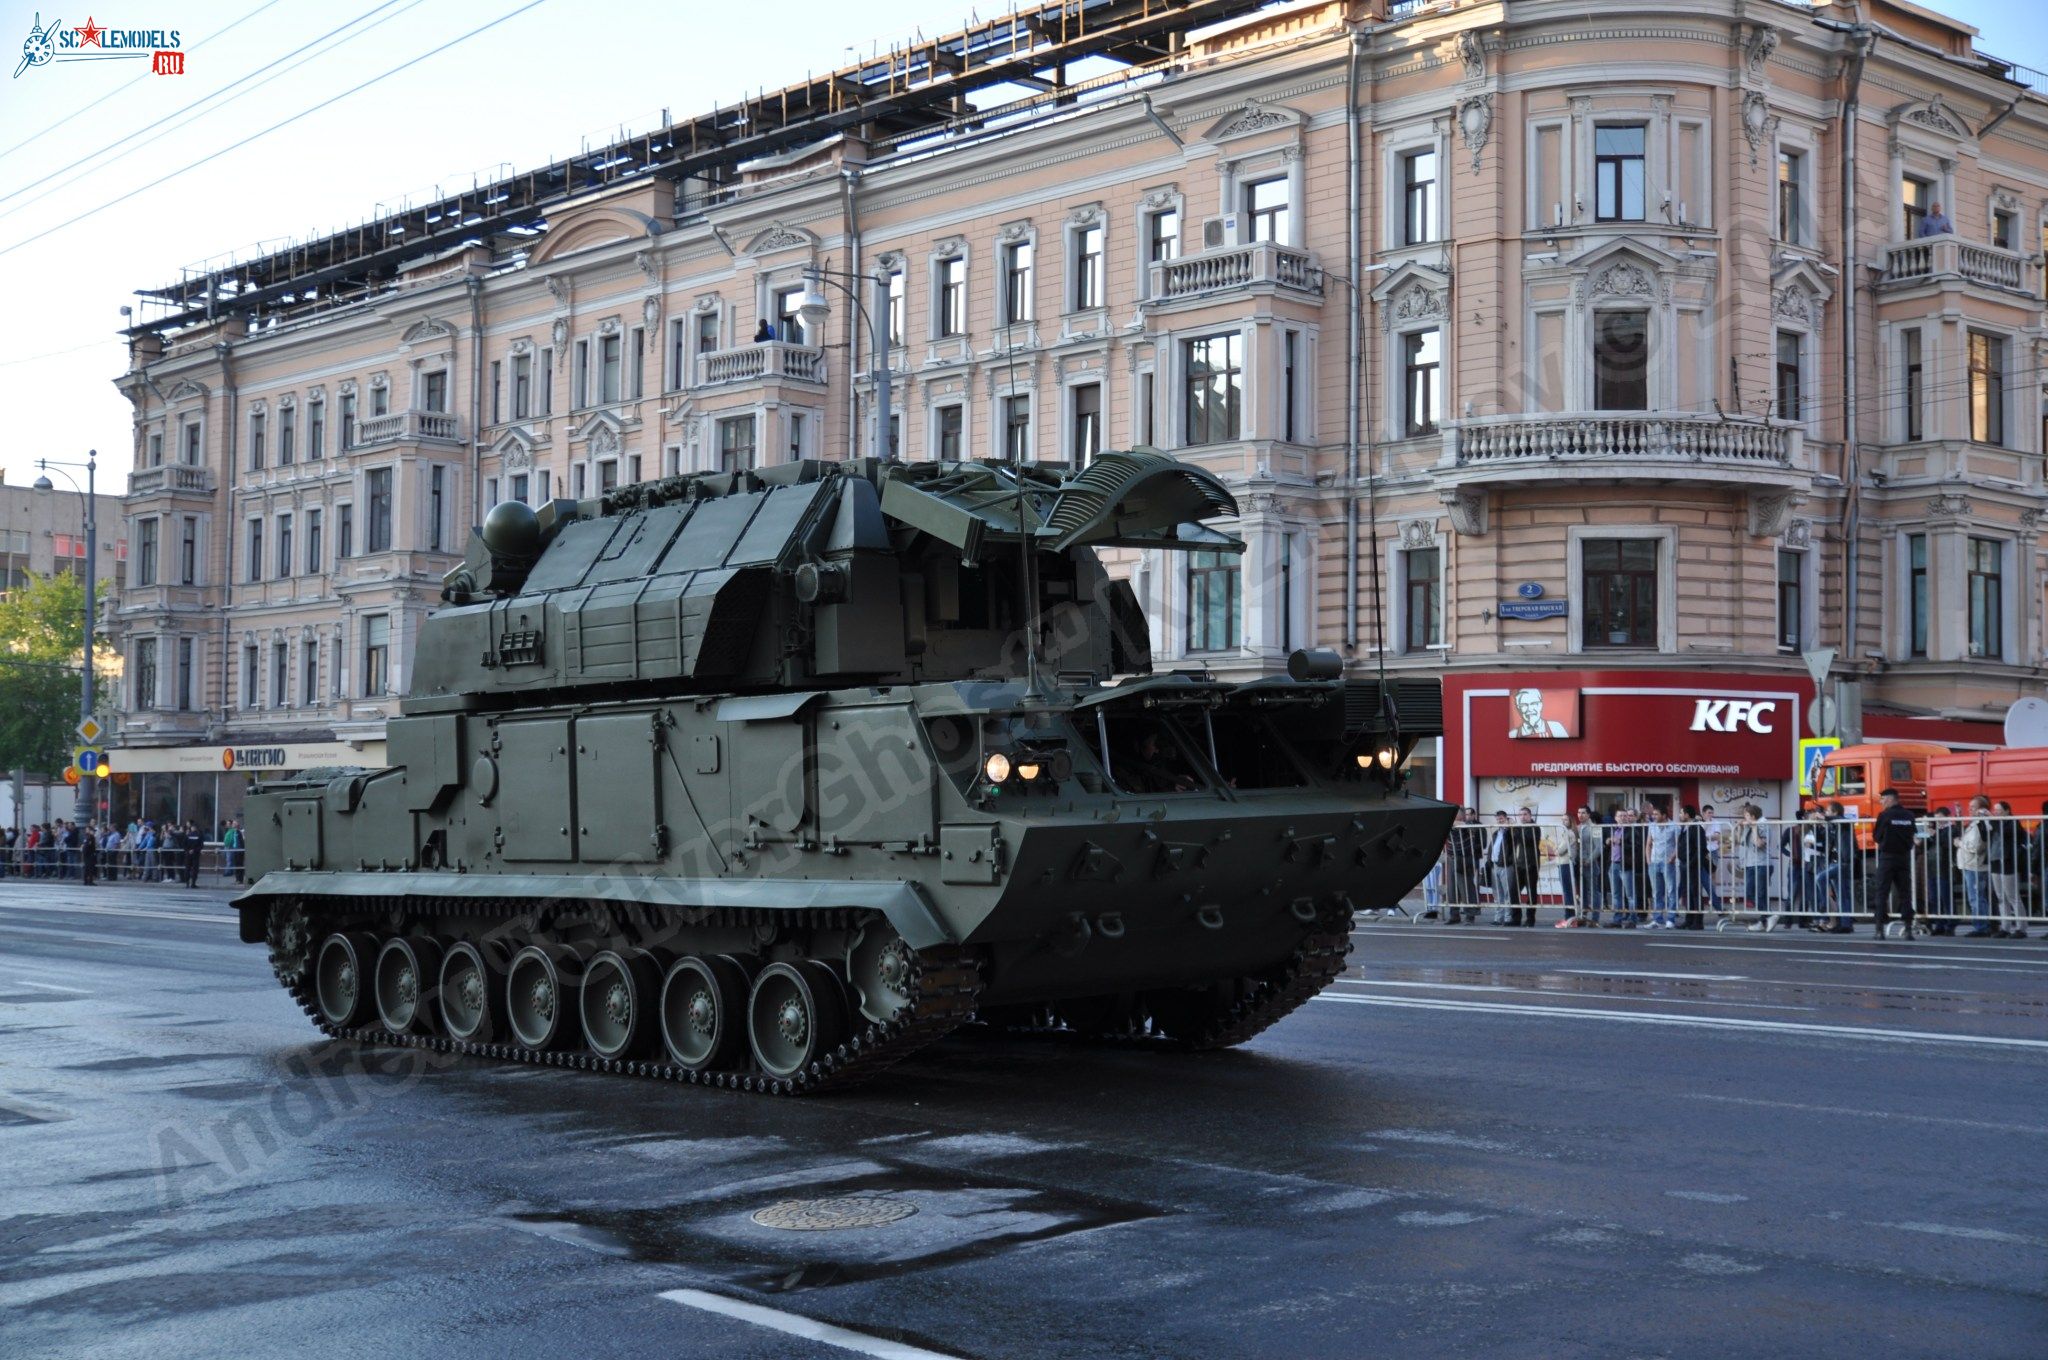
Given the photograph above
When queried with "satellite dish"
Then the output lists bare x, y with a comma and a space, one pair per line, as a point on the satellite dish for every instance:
2026, 723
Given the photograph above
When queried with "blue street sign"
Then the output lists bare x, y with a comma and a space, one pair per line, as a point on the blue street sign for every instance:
1533, 609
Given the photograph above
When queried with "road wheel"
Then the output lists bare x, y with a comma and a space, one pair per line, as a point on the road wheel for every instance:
341, 978
618, 992
704, 1010
540, 1001
796, 1015
408, 970
470, 1005
879, 966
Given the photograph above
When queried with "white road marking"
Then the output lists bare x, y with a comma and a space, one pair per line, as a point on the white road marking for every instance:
124, 911
1903, 958
1539, 991
795, 1324
68, 936
1424, 935
1624, 972
1697, 1021
51, 986
1894, 1115
1972, 1234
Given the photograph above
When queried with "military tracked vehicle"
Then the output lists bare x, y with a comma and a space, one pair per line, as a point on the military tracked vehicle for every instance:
766, 779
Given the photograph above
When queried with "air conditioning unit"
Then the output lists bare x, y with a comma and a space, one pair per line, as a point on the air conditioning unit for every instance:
1218, 232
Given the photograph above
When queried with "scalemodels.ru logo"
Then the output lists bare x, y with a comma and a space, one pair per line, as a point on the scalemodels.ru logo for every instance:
93, 43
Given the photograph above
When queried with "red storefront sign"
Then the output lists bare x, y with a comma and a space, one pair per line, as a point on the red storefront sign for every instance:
1623, 726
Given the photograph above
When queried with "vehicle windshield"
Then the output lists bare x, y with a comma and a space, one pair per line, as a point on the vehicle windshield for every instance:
1148, 753
1841, 779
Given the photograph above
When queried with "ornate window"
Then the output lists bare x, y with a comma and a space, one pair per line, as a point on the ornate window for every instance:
1987, 388
1422, 599
1213, 391
1986, 562
1619, 592
1214, 602
1422, 398
1618, 172
1621, 360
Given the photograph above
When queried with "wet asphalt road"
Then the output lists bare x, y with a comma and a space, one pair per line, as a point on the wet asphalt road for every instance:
1483, 1142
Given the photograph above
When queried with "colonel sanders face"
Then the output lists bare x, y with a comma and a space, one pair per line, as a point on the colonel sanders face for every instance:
1529, 707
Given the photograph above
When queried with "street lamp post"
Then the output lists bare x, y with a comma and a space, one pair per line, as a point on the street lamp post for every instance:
878, 339
83, 809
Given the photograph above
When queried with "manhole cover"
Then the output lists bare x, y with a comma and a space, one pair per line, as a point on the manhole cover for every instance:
826, 1215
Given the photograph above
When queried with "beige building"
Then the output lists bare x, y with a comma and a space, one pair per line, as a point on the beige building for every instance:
1538, 340
43, 532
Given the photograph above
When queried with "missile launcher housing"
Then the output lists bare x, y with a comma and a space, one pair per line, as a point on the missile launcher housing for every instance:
766, 779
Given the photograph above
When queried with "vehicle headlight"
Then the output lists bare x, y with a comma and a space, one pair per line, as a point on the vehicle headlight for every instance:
996, 767
1028, 770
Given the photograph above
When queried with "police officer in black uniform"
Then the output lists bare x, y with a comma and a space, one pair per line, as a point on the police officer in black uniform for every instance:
1894, 831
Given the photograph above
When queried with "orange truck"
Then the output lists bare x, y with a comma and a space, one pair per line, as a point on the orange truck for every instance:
1854, 776
2017, 775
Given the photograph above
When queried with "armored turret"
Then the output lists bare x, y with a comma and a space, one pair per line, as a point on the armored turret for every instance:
812, 574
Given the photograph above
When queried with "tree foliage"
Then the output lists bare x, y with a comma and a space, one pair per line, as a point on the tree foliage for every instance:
40, 625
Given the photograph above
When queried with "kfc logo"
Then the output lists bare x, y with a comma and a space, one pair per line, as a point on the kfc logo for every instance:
1730, 715
1544, 713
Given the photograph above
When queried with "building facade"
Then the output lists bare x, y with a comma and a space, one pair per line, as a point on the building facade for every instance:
43, 533
1566, 347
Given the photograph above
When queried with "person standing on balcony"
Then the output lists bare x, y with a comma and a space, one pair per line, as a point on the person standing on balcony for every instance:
1936, 222
764, 332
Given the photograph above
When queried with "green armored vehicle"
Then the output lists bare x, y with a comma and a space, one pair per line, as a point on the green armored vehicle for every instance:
766, 779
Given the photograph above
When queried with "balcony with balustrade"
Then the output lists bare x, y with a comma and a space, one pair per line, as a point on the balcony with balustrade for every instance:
175, 480
409, 427
1260, 267
1623, 446
1949, 259
766, 361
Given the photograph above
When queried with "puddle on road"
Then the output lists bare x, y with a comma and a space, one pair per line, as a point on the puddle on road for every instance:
144, 1064
958, 1219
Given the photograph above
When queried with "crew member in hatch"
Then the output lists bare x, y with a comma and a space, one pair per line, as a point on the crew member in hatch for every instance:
1529, 703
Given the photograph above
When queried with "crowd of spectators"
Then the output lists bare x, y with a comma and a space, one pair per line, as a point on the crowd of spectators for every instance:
1978, 871
145, 851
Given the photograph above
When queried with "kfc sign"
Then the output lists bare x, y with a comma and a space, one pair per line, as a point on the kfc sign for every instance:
1544, 714
1733, 715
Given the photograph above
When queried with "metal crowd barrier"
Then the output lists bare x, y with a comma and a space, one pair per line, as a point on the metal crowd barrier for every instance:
217, 864
1965, 875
